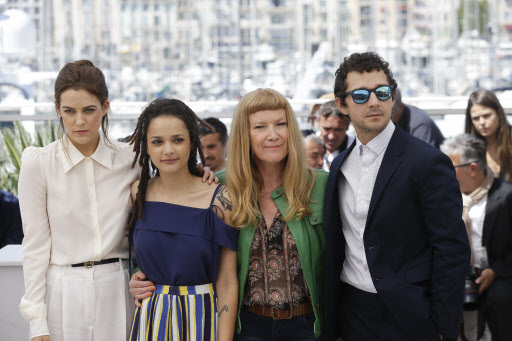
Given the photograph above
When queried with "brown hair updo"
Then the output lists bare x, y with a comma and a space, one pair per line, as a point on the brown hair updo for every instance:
82, 74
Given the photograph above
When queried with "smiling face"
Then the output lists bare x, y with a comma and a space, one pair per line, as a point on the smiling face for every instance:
372, 117
268, 132
168, 144
485, 120
81, 114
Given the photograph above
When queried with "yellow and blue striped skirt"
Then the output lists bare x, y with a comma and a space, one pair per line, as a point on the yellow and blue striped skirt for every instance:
177, 313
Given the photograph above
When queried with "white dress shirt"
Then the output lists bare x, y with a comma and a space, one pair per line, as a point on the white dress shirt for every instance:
74, 209
477, 216
356, 181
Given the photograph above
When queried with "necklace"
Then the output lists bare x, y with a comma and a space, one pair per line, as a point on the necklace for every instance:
267, 194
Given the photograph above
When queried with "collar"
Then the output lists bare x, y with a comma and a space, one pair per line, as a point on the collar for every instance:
479, 192
71, 156
277, 192
380, 142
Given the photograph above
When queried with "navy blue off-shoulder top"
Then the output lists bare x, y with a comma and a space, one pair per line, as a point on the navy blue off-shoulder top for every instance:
180, 245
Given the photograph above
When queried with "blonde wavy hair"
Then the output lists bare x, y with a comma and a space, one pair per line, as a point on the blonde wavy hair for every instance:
244, 181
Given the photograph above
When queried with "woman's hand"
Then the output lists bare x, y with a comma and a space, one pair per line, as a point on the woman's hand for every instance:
41, 338
208, 175
140, 288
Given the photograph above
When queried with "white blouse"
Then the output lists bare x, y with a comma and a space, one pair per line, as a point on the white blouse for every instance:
74, 209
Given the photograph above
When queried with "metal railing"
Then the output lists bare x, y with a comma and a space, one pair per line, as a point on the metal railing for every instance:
434, 106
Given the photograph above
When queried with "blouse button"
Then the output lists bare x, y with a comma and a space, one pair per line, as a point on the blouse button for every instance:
314, 219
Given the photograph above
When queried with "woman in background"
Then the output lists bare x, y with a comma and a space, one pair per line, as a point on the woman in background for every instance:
486, 119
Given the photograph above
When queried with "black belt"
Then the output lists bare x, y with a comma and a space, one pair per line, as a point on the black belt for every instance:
90, 264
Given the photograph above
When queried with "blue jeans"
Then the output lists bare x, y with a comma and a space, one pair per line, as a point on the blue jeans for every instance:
261, 328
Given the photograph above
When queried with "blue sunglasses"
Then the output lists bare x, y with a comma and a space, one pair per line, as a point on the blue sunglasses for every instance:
360, 96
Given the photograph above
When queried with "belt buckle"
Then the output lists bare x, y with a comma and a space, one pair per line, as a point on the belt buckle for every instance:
282, 318
89, 264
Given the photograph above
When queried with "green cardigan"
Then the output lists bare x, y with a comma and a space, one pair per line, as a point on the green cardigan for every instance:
308, 233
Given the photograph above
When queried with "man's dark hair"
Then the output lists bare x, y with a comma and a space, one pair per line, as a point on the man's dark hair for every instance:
360, 62
219, 128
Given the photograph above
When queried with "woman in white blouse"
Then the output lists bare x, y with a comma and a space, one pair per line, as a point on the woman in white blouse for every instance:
74, 199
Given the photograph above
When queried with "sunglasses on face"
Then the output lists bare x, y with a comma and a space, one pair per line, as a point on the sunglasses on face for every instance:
360, 96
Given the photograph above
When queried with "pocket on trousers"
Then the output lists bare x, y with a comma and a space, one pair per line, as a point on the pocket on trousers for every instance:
53, 301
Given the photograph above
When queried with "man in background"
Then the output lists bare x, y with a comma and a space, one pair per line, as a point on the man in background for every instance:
11, 231
315, 151
213, 144
416, 122
488, 217
333, 126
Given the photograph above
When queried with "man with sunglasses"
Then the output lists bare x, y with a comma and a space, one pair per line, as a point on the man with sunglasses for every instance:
397, 251
488, 218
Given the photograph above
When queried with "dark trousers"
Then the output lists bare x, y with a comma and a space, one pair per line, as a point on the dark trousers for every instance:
497, 310
261, 328
363, 316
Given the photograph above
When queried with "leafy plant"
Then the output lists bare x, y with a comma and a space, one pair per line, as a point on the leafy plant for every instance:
14, 141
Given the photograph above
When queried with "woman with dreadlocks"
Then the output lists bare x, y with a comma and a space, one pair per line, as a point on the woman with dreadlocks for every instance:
181, 232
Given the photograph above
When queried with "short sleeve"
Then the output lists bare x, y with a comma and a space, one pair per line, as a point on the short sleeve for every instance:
225, 235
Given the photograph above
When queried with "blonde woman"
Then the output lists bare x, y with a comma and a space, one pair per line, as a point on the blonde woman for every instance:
278, 202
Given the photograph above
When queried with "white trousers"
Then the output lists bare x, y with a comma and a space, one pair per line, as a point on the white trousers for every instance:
89, 304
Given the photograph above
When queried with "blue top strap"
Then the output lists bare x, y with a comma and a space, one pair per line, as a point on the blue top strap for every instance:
215, 194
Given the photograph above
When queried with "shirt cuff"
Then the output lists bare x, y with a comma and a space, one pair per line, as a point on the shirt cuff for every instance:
38, 327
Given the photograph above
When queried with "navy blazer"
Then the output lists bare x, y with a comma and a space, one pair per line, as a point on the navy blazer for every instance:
415, 240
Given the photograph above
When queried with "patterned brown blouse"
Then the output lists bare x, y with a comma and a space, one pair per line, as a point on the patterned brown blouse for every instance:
275, 275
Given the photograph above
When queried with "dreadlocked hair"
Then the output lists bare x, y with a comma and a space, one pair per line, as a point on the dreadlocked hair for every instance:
161, 107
